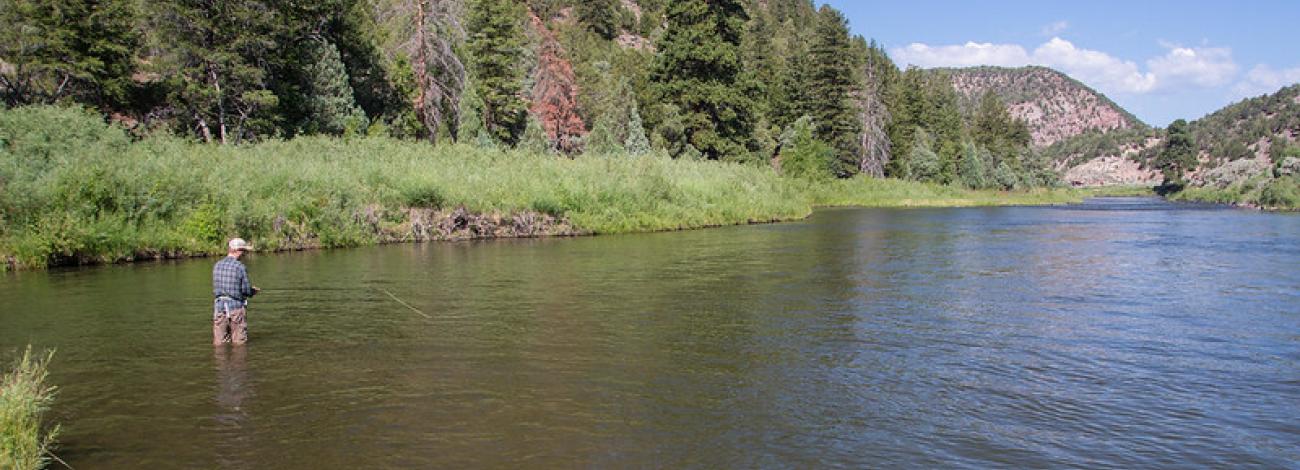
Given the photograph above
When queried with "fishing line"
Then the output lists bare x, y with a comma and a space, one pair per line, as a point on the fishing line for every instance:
413, 309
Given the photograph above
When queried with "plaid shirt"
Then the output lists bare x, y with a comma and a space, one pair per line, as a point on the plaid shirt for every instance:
230, 279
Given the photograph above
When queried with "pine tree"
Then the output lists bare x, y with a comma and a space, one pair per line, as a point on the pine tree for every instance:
974, 166
330, 102
54, 49
495, 47
470, 127
555, 94
831, 100
216, 63
535, 139
636, 142
925, 164
599, 16
803, 155
699, 70
603, 139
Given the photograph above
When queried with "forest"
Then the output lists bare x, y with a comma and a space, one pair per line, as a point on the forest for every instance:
779, 83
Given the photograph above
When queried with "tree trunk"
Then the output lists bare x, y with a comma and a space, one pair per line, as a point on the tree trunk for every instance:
421, 72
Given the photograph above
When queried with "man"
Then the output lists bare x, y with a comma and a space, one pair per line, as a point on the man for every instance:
232, 289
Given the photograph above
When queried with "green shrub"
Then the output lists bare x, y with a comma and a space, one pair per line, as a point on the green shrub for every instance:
25, 397
1282, 193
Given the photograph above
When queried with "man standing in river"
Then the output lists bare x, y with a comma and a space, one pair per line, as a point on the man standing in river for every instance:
232, 289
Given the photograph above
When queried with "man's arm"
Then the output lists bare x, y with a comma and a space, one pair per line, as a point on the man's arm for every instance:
246, 285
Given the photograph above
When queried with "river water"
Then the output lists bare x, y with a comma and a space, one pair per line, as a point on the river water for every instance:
1119, 333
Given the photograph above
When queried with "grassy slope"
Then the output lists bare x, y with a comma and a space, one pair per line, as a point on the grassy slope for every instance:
75, 190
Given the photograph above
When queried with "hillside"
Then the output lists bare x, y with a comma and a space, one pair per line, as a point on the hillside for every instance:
1241, 151
1055, 106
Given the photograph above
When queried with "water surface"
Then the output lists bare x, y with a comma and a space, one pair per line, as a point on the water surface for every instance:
1120, 333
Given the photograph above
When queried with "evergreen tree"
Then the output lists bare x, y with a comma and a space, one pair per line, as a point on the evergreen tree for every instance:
555, 94
534, 139
803, 155
495, 47
636, 142
1178, 156
699, 70
974, 166
925, 164
470, 111
329, 100
603, 139
599, 16
906, 100
831, 100
54, 49
216, 60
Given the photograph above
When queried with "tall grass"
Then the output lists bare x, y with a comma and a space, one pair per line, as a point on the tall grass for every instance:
76, 190
24, 398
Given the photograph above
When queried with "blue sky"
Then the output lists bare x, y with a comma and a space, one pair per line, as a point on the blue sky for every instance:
1161, 60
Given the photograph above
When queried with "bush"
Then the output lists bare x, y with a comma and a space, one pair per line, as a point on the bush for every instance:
1281, 193
25, 443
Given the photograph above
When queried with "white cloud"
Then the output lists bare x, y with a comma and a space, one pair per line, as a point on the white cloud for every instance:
1207, 67
965, 55
1265, 79
1055, 28
1093, 67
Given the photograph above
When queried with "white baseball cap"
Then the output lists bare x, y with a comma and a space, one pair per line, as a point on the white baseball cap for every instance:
239, 244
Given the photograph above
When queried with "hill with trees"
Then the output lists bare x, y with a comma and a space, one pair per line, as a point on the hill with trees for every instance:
711, 79
1055, 106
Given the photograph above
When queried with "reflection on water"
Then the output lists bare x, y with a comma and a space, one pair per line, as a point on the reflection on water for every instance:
234, 392
1120, 333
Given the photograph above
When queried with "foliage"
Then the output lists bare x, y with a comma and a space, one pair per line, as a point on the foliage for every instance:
599, 16
332, 107
495, 47
77, 190
832, 86
112, 199
1262, 191
698, 69
25, 397
214, 65
803, 155
1178, 155
555, 94
636, 142
79, 49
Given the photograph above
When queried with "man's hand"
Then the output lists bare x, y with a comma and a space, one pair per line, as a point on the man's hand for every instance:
256, 290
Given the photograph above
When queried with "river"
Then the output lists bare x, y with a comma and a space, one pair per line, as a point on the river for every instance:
1120, 333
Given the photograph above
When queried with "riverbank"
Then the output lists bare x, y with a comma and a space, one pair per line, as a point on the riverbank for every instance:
1263, 192
74, 190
